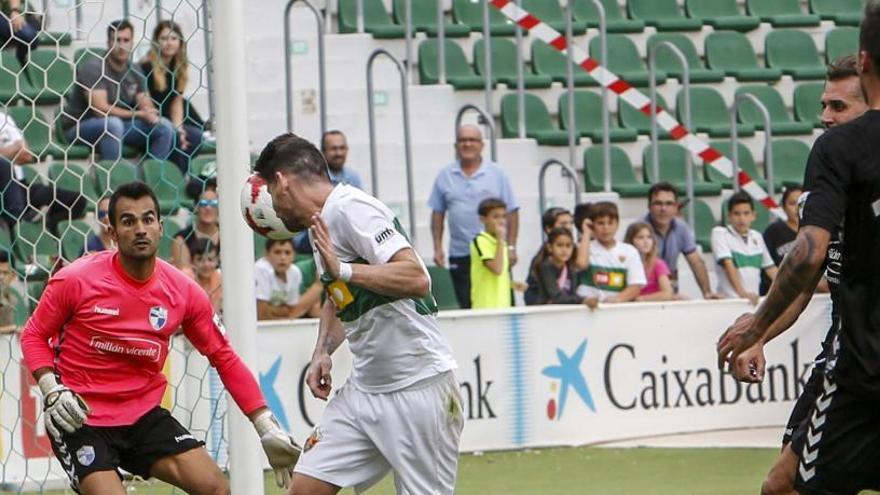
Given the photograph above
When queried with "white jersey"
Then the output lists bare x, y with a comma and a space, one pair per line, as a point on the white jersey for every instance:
748, 253
611, 270
394, 342
271, 289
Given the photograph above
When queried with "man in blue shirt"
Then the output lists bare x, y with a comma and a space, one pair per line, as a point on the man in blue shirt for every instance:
335, 149
458, 189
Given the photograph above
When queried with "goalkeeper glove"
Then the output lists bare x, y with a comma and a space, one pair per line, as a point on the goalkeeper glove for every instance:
279, 446
62, 408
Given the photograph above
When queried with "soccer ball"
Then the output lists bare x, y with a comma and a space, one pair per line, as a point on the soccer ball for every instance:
258, 211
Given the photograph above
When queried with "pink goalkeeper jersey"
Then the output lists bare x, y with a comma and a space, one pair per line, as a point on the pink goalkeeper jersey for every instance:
107, 337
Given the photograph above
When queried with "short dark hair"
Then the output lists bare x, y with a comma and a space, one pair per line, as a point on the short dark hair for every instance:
869, 36
489, 204
661, 187
789, 190
332, 132
272, 242
604, 209
548, 219
203, 246
843, 68
293, 154
4, 256
740, 198
581, 213
131, 190
118, 25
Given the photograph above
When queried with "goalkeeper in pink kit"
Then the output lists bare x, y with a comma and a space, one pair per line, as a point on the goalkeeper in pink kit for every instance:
97, 343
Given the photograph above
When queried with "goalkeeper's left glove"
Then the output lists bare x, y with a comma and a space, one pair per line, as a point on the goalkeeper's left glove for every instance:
279, 446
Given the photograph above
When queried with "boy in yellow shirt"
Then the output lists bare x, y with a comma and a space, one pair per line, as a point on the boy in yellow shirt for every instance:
490, 266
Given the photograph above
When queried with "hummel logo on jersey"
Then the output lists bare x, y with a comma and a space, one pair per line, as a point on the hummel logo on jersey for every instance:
106, 311
384, 235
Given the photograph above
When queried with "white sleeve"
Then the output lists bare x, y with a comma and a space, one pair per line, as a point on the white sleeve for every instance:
370, 232
294, 280
766, 259
720, 246
263, 289
635, 271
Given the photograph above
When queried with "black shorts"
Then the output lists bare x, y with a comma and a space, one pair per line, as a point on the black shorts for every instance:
800, 413
133, 448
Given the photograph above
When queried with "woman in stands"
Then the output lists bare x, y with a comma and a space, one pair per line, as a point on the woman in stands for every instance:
659, 286
205, 225
166, 69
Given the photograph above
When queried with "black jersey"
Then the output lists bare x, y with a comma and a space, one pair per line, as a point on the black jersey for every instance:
843, 187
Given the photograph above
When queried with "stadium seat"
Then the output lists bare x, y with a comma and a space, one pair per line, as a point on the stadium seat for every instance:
548, 61
73, 238
781, 121
539, 124
842, 12
458, 72
721, 15
51, 75
376, 19
74, 177
673, 161
840, 42
588, 118
29, 175
470, 13
61, 148
168, 183
709, 113
789, 161
553, 15
34, 244
202, 163
615, 21
623, 178
35, 290
746, 164
763, 217
111, 174
6, 241
662, 14
84, 54
61, 38
170, 227
807, 105
732, 53
669, 63
442, 288
624, 60
504, 65
704, 222
633, 118
14, 84
793, 52
36, 131
781, 13
424, 18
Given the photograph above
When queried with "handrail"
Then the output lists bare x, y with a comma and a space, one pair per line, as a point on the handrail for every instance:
487, 59
441, 44
485, 119
371, 116
606, 123
520, 84
569, 87
288, 90
359, 12
768, 140
567, 171
686, 91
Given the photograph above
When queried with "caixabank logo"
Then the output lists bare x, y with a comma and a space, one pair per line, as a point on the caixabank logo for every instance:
567, 376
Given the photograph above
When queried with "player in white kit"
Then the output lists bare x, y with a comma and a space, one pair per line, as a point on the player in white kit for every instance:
400, 409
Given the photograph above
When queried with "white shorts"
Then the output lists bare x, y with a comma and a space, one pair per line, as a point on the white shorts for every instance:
414, 431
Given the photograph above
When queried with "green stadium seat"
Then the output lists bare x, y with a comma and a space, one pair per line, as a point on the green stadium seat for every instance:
669, 63
746, 164
35, 129
553, 15
203, 163
376, 19
840, 42
721, 15
663, 15
633, 118
424, 18
168, 183
35, 290
73, 238
548, 61
61, 38
624, 60
704, 221
458, 72
169, 228
615, 21
74, 177
732, 53
6, 241
781, 121
470, 13
111, 174
673, 160
793, 52
62, 149
31, 175
588, 118
306, 265
51, 75
807, 103
709, 113
84, 54
442, 288
14, 83
623, 178
504, 65
763, 217
842, 12
539, 124
781, 13
21, 313
34, 244
790, 161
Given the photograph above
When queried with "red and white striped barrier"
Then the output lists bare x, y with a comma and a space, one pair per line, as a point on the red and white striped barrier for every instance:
637, 99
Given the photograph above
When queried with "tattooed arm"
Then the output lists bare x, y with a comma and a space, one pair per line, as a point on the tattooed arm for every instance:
330, 337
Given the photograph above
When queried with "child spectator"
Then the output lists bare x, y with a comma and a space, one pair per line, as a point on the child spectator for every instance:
740, 252
206, 272
614, 271
205, 224
490, 266
779, 236
553, 218
278, 284
554, 272
658, 286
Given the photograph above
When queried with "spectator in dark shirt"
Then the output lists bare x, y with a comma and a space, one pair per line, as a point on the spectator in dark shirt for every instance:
555, 273
779, 236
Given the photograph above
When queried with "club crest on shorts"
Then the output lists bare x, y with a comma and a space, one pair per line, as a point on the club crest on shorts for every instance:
86, 455
158, 317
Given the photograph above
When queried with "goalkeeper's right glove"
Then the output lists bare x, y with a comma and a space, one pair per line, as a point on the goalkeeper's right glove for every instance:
279, 446
62, 407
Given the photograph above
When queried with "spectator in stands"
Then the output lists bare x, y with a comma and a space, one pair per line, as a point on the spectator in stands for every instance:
490, 260
18, 28
554, 218
779, 235
675, 237
843, 99
458, 189
205, 225
658, 286
614, 271
25, 201
99, 239
555, 274
109, 105
335, 149
206, 271
167, 71
740, 252
279, 282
